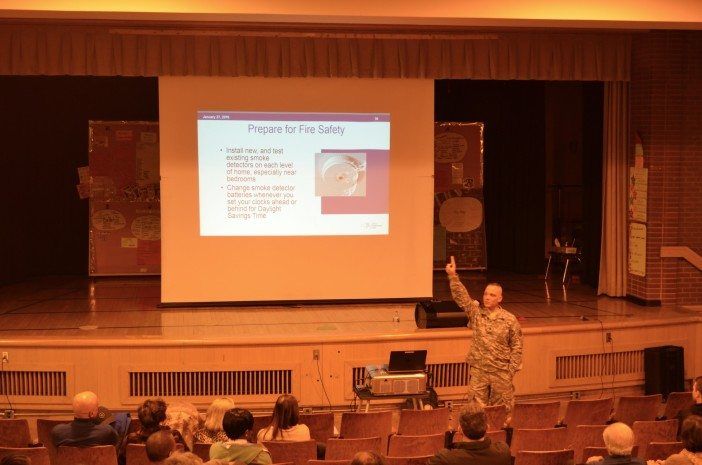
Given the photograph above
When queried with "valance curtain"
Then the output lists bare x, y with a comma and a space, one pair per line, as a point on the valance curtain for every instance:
104, 51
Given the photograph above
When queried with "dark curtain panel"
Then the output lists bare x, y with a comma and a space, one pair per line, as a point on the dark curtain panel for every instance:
44, 133
593, 101
513, 113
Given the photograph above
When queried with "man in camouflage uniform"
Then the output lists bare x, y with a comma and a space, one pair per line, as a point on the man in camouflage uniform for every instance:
496, 352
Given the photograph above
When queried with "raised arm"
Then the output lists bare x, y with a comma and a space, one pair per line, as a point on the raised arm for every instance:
458, 290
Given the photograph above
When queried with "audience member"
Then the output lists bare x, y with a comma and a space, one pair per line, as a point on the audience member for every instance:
159, 446
85, 429
285, 424
696, 408
185, 458
211, 430
367, 458
188, 458
16, 459
238, 424
691, 436
476, 449
619, 441
184, 418
152, 414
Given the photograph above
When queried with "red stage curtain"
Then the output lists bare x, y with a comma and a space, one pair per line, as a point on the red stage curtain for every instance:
104, 51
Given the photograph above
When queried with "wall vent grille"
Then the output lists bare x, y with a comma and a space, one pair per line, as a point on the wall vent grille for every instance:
209, 383
595, 365
33, 383
442, 374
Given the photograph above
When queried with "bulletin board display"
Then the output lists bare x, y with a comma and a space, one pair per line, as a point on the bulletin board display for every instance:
459, 226
123, 189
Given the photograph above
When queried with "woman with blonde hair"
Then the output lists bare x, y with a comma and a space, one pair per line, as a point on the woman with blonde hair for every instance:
211, 430
285, 425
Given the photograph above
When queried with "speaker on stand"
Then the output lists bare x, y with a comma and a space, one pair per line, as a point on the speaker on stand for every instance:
439, 314
664, 368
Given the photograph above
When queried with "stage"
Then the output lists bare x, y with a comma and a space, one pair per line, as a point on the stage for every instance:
110, 335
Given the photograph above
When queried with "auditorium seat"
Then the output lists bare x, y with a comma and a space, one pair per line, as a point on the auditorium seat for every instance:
367, 425
654, 431
551, 457
95, 455
676, 402
44, 427
405, 445
413, 460
662, 450
37, 455
298, 452
345, 449
328, 462
495, 436
586, 412
136, 454
535, 415
637, 408
583, 436
14, 432
259, 423
423, 422
602, 452
202, 450
542, 439
496, 417
321, 425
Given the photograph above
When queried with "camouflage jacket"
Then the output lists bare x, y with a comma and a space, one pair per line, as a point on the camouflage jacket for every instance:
497, 339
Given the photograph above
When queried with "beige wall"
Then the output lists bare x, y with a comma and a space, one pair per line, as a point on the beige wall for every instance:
671, 14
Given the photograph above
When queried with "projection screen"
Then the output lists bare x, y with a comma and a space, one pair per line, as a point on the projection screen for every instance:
295, 189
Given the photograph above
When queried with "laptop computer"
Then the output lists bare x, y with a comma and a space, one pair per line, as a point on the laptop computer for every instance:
407, 361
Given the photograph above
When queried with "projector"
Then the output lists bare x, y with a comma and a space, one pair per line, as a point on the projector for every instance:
381, 382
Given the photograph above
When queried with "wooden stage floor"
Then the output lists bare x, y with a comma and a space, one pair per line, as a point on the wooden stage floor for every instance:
114, 309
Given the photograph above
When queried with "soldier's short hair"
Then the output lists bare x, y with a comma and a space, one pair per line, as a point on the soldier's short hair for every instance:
494, 284
473, 420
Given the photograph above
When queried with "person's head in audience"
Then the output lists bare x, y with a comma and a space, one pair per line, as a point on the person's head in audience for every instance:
16, 459
691, 433
286, 414
183, 458
237, 423
152, 413
85, 405
184, 418
697, 390
159, 446
215, 413
473, 420
367, 458
618, 439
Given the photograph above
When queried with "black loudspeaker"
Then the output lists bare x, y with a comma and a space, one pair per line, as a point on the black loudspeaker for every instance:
439, 314
665, 370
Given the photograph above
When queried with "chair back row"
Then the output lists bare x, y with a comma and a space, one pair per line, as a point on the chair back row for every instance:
321, 425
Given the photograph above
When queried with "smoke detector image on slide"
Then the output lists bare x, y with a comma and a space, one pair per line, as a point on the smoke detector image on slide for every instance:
340, 174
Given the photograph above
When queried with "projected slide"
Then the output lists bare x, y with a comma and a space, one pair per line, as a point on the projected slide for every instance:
293, 174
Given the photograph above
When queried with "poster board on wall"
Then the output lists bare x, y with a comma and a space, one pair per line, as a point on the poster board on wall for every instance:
124, 196
459, 226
